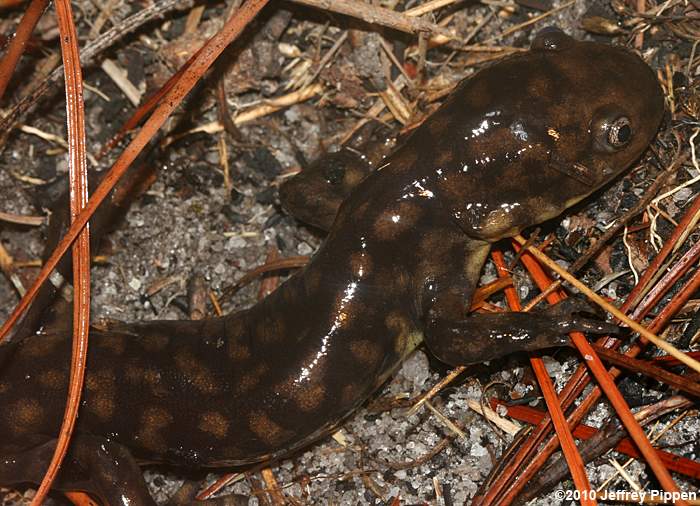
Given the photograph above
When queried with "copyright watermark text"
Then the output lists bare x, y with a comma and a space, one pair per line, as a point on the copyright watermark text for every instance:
641, 497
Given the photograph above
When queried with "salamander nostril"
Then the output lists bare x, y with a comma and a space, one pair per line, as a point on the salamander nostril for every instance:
551, 38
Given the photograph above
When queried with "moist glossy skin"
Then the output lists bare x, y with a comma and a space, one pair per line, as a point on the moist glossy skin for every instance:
513, 146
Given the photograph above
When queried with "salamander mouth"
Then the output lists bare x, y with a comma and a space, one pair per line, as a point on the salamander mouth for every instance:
578, 171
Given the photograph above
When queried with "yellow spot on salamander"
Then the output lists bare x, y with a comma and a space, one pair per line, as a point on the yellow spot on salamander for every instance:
266, 429
26, 415
214, 423
154, 422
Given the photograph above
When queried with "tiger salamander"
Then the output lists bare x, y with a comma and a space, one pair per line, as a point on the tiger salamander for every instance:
514, 145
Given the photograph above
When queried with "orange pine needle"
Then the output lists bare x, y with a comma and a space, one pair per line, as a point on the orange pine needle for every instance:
566, 439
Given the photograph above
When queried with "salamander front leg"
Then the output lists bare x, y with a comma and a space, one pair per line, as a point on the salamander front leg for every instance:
459, 339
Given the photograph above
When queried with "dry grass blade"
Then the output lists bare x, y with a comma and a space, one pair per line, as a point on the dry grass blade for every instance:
379, 16
77, 164
31, 221
211, 50
504, 424
603, 377
222, 482
449, 378
16, 47
427, 7
269, 106
566, 439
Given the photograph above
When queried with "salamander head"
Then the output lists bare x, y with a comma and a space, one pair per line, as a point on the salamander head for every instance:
544, 129
612, 107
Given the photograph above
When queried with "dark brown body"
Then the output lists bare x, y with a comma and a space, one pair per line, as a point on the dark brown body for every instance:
513, 146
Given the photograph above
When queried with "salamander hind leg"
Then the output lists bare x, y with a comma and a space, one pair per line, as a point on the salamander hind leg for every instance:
102, 468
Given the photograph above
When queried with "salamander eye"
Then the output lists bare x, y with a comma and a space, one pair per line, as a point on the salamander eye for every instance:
612, 131
619, 132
